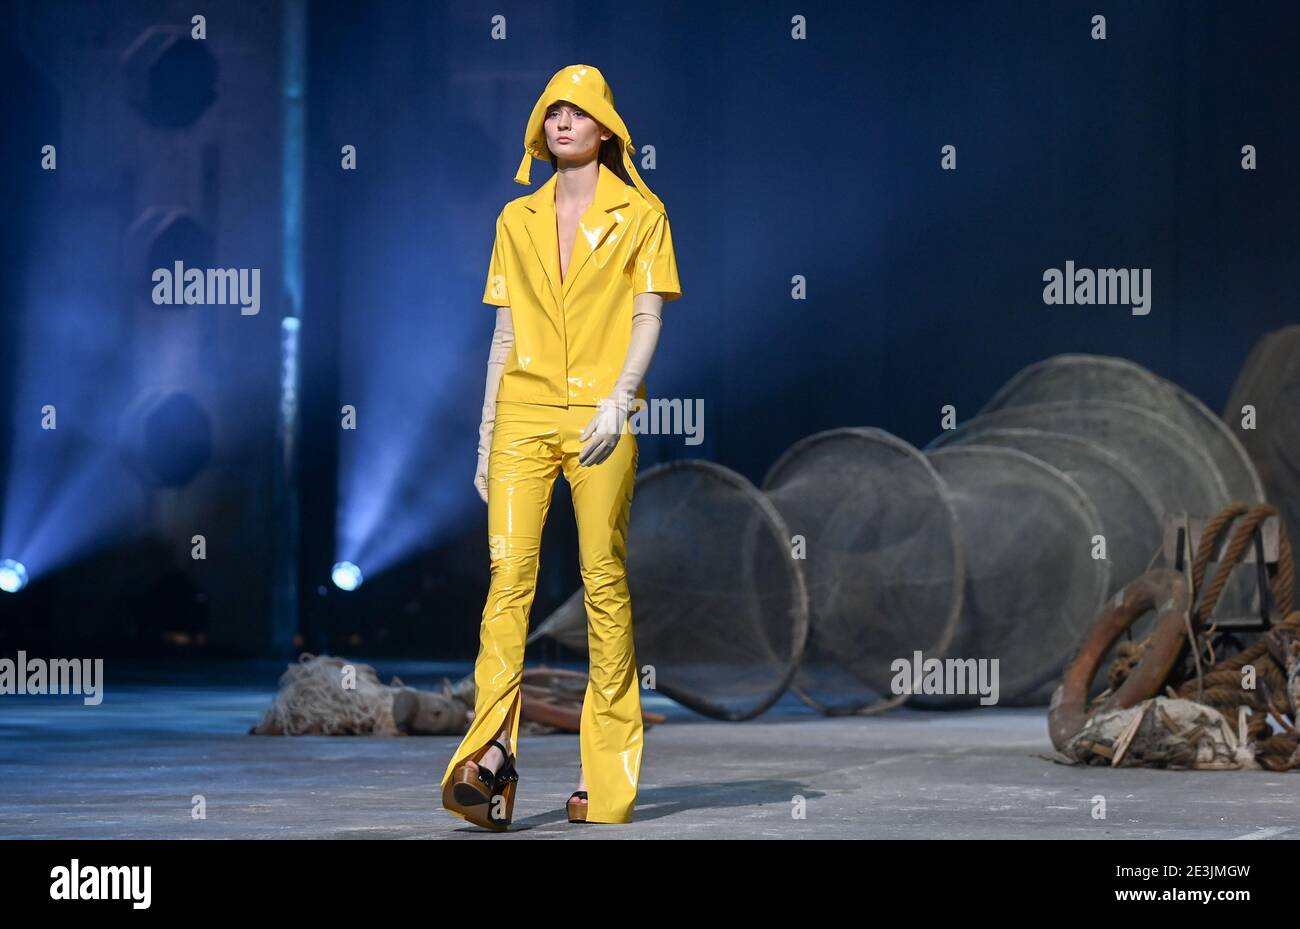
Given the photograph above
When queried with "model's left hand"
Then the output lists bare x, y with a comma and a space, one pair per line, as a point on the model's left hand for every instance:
604, 431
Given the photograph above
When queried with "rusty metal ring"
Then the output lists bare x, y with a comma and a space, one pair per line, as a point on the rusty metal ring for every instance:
1160, 589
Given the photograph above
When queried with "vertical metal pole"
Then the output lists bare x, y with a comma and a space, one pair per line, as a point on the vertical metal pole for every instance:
284, 610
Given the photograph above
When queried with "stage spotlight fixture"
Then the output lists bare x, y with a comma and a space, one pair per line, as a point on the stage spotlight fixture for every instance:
347, 576
13, 576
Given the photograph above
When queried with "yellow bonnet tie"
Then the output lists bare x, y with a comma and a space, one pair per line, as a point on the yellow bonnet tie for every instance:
525, 168
640, 184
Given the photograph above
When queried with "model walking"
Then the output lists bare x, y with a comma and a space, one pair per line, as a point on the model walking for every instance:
579, 273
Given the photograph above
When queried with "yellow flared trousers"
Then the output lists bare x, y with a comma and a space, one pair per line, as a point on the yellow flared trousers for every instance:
531, 444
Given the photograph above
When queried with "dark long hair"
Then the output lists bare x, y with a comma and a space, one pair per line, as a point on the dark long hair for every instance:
610, 155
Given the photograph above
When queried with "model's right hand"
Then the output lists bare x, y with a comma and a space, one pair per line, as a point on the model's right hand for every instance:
480, 477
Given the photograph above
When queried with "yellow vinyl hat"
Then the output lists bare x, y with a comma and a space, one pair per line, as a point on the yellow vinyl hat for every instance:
585, 87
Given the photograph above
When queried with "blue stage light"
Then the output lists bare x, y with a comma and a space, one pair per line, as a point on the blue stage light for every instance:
13, 576
347, 576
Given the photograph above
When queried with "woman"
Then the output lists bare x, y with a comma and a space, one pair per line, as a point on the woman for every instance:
579, 273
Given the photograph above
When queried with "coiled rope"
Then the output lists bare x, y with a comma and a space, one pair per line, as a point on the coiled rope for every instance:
1274, 656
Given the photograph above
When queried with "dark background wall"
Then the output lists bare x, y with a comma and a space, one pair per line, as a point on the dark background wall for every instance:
775, 157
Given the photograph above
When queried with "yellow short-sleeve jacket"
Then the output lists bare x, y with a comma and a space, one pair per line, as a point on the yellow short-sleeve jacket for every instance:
571, 337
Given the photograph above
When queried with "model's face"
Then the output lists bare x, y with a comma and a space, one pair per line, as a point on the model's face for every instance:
571, 134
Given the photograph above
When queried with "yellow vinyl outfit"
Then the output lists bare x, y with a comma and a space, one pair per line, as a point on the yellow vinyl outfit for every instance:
571, 337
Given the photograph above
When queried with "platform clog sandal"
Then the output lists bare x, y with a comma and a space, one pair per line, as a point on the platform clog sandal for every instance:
484, 797
577, 811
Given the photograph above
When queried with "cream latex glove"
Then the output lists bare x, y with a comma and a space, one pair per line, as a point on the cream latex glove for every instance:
606, 427
503, 343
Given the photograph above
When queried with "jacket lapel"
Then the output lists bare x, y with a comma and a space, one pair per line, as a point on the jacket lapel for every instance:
594, 228
596, 224
543, 235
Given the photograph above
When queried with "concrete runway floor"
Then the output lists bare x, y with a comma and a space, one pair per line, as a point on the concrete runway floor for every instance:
130, 768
